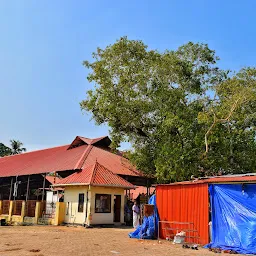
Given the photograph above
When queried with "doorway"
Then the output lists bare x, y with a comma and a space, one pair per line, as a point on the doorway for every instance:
117, 208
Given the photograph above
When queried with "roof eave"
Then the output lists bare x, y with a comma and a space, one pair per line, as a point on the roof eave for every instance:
113, 186
94, 185
70, 184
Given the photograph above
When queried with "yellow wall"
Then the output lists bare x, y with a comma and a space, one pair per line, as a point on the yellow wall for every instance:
105, 218
71, 197
60, 213
16, 218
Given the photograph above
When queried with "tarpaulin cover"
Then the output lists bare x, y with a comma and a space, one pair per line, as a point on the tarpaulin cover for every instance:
148, 229
234, 217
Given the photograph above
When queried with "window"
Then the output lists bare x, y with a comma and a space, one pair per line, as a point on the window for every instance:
102, 203
81, 203
67, 209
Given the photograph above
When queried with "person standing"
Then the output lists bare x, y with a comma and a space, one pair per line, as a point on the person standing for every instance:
136, 214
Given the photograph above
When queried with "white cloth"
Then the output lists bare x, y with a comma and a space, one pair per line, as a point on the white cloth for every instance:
136, 214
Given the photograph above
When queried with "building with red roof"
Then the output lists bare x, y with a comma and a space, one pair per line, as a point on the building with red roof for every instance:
87, 168
94, 195
62, 161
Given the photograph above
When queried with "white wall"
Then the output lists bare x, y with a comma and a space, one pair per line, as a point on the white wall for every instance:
51, 197
71, 196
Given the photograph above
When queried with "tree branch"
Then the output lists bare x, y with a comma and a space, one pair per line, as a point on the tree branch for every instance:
216, 120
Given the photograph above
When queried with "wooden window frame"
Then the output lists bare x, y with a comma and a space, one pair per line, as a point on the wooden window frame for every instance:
80, 203
109, 196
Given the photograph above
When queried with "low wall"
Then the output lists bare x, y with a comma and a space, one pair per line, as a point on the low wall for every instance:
37, 218
4, 217
29, 220
15, 219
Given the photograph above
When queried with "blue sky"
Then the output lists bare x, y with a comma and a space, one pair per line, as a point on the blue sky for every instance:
43, 44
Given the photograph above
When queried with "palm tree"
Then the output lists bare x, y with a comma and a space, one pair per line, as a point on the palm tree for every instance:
16, 147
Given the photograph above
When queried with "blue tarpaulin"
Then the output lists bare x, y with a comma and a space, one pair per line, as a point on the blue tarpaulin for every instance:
234, 217
148, 229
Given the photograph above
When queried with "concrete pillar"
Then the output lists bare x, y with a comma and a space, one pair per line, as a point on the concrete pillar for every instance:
10, 211
57, 213
1, 206
37, 211
23, 211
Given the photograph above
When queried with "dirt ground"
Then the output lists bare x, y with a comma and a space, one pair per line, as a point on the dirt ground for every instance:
68, 241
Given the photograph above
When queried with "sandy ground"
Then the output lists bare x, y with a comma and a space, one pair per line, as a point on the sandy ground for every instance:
68, 241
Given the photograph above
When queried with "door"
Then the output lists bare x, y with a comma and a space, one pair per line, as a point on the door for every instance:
117, 208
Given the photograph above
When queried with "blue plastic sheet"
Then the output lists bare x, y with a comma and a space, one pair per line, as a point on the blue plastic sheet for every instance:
148, 229
234, 217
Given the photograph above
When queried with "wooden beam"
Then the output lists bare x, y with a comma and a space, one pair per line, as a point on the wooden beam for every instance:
27, 194
15, 188
10, 195
43, 187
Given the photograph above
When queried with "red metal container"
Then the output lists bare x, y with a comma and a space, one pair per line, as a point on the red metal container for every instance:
185, 203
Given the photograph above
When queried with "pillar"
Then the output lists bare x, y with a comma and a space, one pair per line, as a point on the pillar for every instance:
59, 213
1, 206
37, 211
23, 211
10, 211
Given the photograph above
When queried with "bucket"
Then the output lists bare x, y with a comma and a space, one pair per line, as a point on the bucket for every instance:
179, 239
2, 222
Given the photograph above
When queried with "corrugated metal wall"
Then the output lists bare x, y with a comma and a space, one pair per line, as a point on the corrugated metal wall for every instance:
185, 203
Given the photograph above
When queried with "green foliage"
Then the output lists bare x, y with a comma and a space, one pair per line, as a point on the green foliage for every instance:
4, 150
160, 103
230, 120
15, 148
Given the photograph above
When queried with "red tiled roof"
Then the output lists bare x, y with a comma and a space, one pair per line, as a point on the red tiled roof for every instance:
64, 158
218, 179
139, 190
115, 163
79, 139
52, 179
93, 141
95, 175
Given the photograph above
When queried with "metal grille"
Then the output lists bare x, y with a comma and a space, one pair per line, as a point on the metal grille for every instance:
5, 206
17, 205
49, 211
170, 228
30, 208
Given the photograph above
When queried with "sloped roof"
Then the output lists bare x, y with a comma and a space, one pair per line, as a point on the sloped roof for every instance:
65, 158
52, 179
95, 175
79, 140
244, 178
139, 190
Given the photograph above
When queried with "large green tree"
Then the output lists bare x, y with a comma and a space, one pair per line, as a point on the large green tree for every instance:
230, 122
171, 107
